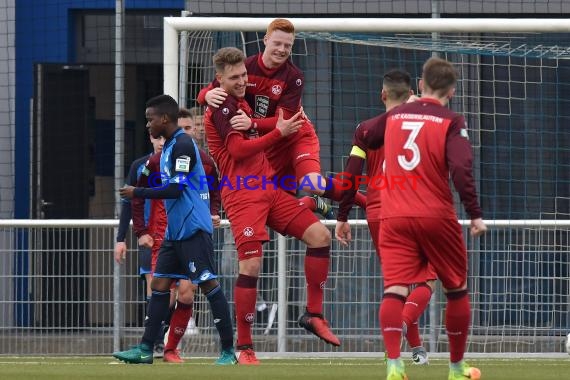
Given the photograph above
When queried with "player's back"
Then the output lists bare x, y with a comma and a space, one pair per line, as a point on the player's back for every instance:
375, 173
416, 169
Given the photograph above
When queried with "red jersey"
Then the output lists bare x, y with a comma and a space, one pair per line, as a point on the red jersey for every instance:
424, 143
267, 90
157, 219
238, 154
374, 171
211, 172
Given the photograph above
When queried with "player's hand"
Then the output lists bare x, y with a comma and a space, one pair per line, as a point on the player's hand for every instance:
304, 115
127, 192
342, 233
146, 241
216, 221
215, 97
289, 126
120, 252
478, 227
241, 121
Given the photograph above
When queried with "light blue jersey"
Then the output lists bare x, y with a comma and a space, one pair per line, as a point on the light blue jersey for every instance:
180, 163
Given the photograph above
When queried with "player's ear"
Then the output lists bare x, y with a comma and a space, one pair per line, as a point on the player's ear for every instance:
451, 93
421, 85
383, 95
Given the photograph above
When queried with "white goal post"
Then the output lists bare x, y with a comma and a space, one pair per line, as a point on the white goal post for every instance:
174, 25
512, 81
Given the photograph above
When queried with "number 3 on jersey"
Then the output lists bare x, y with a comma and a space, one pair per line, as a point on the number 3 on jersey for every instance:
414, 128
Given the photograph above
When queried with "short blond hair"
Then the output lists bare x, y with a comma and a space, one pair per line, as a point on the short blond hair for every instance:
227, 56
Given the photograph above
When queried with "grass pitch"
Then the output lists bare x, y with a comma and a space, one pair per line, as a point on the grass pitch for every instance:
271, 369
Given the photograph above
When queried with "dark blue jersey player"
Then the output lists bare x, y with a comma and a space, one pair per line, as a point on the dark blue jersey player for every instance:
187, 249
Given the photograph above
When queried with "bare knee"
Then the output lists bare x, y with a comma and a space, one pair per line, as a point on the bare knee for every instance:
317, 235
250, 267
186, 292
397, 289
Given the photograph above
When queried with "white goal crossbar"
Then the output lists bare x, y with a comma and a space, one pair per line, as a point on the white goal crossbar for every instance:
173, 25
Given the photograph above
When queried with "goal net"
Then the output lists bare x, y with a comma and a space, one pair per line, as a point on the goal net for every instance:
513, 90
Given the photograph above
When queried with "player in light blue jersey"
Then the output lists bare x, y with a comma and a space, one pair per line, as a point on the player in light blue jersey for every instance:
187, 249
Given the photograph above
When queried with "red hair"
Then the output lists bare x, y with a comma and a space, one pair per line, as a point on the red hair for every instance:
281, 24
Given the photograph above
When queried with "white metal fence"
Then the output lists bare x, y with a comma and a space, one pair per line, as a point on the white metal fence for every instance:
62, 294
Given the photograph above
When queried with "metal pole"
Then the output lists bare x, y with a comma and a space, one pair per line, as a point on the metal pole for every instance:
183, 73
281, 294
119, 155
433, 314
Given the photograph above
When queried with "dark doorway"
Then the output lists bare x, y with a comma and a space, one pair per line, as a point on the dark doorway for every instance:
61, 179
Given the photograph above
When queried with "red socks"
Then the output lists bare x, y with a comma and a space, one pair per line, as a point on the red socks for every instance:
316, 272
178, 324
245, 293
390, 315
416, 303
457, 319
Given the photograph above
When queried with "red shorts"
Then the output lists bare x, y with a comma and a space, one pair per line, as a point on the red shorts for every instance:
297, 155
374, 227
249, 211
155, 248
408, 246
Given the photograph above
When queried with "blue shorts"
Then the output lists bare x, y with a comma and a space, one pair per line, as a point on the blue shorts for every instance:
145, 255
190, 259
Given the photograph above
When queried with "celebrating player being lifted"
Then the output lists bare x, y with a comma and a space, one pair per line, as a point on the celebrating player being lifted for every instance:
275, 83
251, 204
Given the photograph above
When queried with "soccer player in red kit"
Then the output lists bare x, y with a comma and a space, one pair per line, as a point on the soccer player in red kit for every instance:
252, 201
425, 144
275, 83
396, 90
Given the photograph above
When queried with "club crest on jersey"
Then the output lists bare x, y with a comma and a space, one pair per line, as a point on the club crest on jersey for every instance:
276, 89
299, 82
182, 164
225, 111
261, 105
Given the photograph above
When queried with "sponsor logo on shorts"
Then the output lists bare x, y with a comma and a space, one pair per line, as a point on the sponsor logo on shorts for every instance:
192, 267
248, 232
302, 155
205, 276
251, 252
249, 317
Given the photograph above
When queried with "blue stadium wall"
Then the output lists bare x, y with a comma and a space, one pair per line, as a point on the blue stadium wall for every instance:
40, 23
